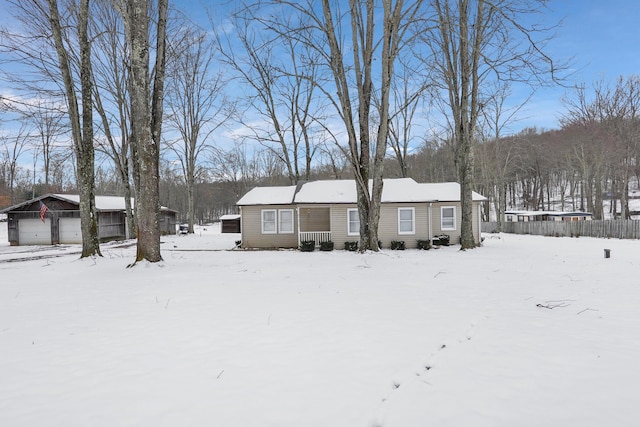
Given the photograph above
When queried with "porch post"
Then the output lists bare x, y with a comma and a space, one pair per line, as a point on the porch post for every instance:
298, 221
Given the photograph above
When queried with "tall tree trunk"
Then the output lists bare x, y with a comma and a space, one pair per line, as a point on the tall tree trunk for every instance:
85, 157
464, 162
81, 127
191, 200
146, 122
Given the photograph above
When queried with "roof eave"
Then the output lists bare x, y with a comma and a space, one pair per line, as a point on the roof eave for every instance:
28, 202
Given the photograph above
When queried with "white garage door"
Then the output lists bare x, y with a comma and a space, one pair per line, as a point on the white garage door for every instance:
34, 231
70, 231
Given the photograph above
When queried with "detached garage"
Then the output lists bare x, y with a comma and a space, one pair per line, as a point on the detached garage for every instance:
69, 230
34, 231
55, 219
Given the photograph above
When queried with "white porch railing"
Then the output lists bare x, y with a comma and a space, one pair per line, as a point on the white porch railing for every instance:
317, 236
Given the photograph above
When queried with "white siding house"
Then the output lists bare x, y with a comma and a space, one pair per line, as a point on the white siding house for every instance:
282, 217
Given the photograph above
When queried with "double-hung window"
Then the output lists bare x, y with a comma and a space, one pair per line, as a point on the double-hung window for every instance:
285, 221
277, 221
269, 225
448, 218
406, 221
353, 222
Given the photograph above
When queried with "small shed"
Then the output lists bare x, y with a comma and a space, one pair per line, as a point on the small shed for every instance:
167, 221
230, 223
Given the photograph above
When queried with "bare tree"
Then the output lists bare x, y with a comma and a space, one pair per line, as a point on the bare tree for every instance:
472, 42
620, 117
408, 93
46, 118
497, 152
146, 118
610, 148
55, 46
281, 73
81, 121
12, 149
196, 105
234, 167
111, 98
351, 67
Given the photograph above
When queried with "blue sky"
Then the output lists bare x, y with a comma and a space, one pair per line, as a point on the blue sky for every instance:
603, 37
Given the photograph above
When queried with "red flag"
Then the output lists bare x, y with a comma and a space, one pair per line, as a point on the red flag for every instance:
43, 210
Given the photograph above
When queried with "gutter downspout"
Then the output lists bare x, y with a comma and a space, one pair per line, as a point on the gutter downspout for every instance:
241, 229
430, 224
298, 221
479, 224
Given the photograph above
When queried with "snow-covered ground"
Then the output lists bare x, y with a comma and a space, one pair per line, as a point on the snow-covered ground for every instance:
525, 331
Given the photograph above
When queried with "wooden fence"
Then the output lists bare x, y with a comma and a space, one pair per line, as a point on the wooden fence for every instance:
618, 229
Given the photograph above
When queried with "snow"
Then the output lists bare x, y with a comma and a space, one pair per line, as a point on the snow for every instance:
344, 191
106, 203
230, 216
396, 190
268, 196
525, 331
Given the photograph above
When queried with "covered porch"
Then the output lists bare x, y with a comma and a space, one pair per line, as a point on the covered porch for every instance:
314, 223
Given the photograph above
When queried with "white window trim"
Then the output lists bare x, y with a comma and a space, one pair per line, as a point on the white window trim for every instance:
349, 232
442, 227
280, 221
413, 220
262, 222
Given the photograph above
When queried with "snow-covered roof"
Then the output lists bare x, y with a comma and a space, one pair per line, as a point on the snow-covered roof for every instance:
344, 191
268, 196
230, 216
447, 192
103, 203
335, 191
395, 190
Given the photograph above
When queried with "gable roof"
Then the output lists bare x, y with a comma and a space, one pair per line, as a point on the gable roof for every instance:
229, 217
103, 203
395, 190
344, 191
447, 192
268, 196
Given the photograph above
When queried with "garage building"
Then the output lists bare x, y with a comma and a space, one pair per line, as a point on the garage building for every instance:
55, 219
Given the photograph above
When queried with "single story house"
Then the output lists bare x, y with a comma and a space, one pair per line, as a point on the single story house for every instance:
282, 217
55, 219
525, 216
230, 223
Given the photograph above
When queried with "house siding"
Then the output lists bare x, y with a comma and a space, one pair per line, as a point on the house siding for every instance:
251, 229
252, 236
454, 235
388, 226
330, 214
339, 225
